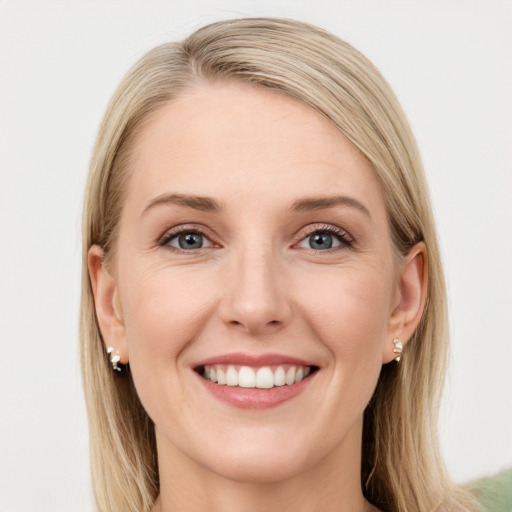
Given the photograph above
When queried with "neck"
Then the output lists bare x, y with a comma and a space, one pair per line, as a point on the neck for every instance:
333, 484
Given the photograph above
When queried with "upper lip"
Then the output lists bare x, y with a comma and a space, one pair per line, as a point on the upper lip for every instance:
254, 360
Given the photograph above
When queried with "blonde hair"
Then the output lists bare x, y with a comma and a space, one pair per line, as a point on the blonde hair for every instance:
402, 469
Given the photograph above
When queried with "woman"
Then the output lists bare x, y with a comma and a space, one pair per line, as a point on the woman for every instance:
259, 248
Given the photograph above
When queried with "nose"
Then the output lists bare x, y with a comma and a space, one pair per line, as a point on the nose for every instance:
256, 296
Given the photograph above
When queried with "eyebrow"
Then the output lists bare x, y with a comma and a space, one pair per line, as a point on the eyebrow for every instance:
321, 203
208, 204
201, 203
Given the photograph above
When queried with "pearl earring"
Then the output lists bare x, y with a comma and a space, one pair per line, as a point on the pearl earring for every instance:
115, 360
398, 349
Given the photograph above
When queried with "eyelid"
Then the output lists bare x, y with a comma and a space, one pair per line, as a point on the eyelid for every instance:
325, 228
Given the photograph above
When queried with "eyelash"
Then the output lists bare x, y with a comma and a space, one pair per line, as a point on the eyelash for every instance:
180, 230
342, 236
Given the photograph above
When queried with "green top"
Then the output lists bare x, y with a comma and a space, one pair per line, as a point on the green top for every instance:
495, 492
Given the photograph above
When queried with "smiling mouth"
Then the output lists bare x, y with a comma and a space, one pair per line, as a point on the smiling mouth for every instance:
264, 377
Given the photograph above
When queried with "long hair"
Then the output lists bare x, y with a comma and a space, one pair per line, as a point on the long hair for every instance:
402, 469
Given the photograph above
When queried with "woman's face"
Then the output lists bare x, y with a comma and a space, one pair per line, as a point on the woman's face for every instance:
254, 242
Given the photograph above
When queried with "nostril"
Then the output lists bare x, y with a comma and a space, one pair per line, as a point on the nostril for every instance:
250, 325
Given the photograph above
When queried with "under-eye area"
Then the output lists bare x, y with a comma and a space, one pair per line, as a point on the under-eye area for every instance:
264, 377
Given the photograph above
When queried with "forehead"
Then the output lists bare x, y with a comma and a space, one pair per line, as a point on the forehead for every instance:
239, 142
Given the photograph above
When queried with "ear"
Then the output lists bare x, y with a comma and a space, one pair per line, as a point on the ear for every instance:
410, 300
107, 304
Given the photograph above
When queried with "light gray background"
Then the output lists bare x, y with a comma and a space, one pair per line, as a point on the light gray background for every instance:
450, 65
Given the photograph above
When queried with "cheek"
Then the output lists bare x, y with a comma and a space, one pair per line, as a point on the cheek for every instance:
349, 312
163, 317
350, 308
163, 313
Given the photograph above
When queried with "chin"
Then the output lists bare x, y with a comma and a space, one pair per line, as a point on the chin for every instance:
265, 457
260, 470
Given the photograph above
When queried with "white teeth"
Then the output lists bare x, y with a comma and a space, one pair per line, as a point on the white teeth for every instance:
279, 377
246, 377
232, 377
290, 376
221, 376
265, 377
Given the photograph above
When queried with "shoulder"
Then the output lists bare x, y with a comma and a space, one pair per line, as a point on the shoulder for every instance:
495, 492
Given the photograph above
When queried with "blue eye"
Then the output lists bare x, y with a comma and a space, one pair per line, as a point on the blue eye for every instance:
325, 239
188, 240
320, 241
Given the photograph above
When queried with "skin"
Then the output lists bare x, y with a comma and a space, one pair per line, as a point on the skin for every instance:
255, 287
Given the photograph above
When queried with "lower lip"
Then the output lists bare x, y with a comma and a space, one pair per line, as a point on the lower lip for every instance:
254, 398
